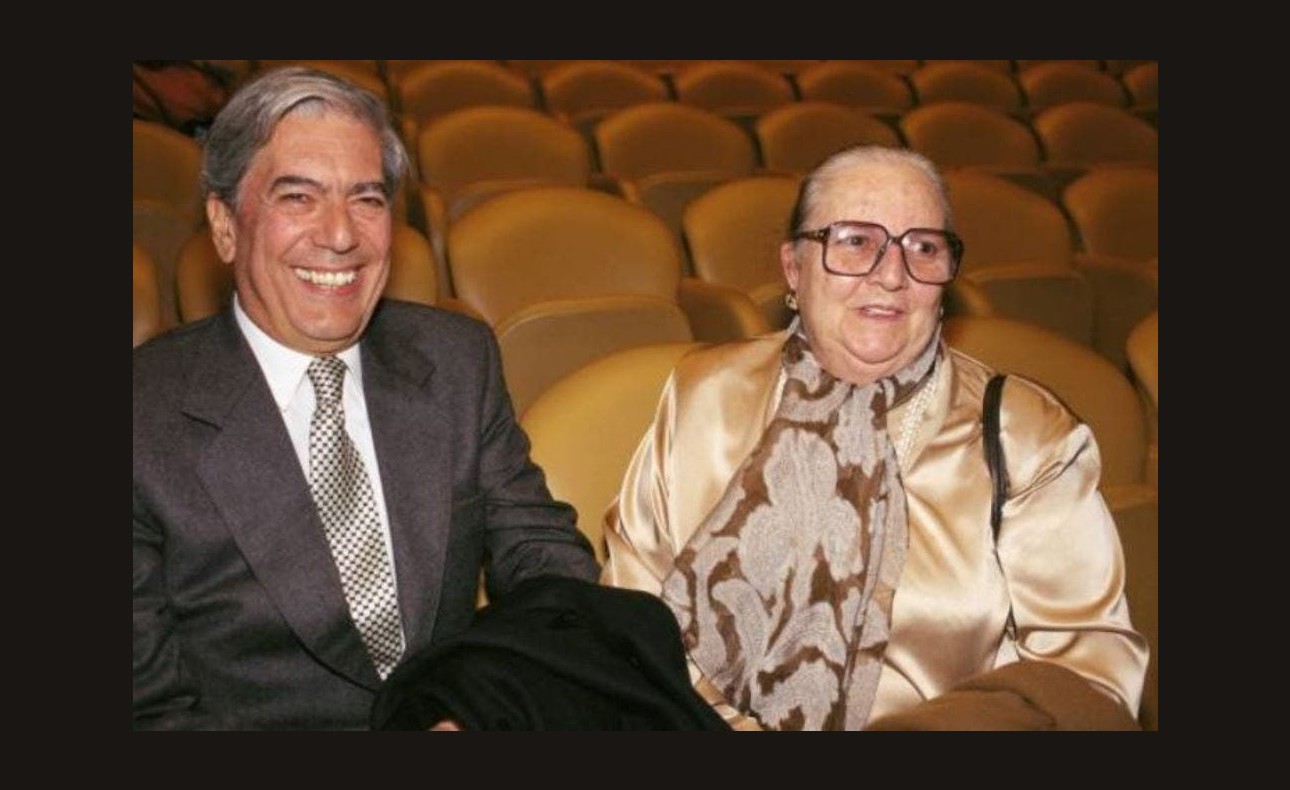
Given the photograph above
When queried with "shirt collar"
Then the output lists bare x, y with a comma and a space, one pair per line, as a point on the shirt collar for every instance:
284, 368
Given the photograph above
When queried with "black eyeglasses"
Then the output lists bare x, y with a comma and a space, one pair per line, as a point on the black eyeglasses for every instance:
853, 249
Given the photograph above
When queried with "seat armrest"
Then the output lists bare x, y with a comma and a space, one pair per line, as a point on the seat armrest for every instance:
718, 313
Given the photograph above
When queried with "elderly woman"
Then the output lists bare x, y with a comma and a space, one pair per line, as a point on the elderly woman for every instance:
814, 505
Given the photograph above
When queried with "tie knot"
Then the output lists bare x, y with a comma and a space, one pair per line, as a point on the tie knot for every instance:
327, 374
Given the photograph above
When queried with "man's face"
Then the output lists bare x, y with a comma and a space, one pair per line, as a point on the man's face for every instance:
310, 240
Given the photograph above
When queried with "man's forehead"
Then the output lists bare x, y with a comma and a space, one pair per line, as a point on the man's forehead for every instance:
299, 145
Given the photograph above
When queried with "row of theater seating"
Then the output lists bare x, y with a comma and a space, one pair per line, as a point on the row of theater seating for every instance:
422, 89
482, 152
583, 93
1052, 258
579, 272
662, 155
659, 155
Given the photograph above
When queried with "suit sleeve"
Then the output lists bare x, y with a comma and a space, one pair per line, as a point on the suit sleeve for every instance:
165, 696
530, 534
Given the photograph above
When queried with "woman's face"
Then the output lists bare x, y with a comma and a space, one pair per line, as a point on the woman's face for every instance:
866, 328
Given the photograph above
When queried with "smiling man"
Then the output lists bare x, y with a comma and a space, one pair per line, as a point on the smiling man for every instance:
320, 475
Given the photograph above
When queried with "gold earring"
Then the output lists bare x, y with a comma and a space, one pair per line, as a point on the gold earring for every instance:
790, 299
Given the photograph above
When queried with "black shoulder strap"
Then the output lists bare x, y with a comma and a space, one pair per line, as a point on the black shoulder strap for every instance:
998, 471
994, 449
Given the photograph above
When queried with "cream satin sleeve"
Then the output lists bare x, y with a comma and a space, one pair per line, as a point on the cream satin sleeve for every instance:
641, 536
637, 528
1061, 554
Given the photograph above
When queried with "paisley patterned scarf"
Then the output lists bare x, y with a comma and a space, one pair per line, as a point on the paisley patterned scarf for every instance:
784, 593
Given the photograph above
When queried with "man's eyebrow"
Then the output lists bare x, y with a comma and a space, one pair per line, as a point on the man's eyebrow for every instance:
360, 188
369, 186
293, 181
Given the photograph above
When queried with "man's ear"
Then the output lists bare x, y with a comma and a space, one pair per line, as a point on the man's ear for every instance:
223, 228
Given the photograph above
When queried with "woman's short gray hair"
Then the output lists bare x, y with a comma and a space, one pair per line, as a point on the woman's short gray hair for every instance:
841, 163
247, 122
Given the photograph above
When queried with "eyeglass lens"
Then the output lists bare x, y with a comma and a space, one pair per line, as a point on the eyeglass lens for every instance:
854, 249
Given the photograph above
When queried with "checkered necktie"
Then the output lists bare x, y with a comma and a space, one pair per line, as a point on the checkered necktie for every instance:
343, 494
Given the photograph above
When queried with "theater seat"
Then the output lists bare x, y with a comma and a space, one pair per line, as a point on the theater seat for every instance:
147, 302
565, 275
585, 427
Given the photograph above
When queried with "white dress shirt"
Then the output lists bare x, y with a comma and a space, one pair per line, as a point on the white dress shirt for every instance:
284, 369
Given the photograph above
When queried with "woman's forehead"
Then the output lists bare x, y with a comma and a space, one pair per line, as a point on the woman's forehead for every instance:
879, 193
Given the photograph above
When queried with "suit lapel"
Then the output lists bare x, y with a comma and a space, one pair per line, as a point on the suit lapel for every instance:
251, 472
413, 448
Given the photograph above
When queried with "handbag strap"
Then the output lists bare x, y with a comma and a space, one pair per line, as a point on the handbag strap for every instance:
994, 450
994, 460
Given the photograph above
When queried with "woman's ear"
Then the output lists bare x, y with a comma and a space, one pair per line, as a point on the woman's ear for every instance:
223, 228
788, 262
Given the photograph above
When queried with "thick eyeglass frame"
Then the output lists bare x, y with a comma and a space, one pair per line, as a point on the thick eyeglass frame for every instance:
822, 235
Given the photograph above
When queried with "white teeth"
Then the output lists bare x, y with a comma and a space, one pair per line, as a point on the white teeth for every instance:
329, 279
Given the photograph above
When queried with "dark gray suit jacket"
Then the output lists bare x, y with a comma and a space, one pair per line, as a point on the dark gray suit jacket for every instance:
239, 617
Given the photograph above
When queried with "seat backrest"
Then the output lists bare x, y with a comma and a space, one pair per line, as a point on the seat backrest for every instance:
1143, 84
967, 81
1142, 349
366, 74
657, 137
535, 69
731, 87
796, 137
902, 67
396, 70
167, 168
1001, 66
147, 301
1091, 386
205, 283
543, 244
434, 88
855, 83
1001, 222
1058, 298
959, 133
161, 230
1117, 211
474, 145
733, 233
585, 428
564, 276
545, 342
580, 86
1025, 65
1019, 254
1086, 134
413, 268
1144, 355
1058, 81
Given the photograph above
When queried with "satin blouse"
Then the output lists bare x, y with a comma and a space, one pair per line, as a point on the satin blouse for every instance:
1057, 567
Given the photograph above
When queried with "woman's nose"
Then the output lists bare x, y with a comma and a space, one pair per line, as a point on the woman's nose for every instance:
889, 271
